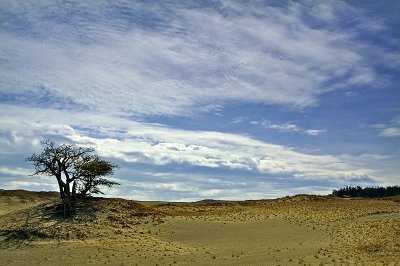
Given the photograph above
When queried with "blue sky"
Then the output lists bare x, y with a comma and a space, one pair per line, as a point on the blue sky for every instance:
205, 99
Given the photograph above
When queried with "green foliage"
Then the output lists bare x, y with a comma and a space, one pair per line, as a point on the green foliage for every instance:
91, 175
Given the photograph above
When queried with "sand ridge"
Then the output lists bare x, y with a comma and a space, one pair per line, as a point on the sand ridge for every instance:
300, 230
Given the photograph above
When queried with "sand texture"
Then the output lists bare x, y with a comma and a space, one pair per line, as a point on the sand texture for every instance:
299, 230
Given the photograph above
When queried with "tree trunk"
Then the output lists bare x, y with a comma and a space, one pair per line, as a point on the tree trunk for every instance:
67, 203
62, 195
73, 196
67, 190
61, 186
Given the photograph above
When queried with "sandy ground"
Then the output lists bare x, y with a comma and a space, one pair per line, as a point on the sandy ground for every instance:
300, 230
15, 200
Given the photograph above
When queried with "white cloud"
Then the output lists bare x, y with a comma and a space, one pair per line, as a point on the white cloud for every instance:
218, 192
137, 142
189, 60
163, 186
285, 127
391, 129
15, 171
390, 132
19, 184
39, 185
314, 132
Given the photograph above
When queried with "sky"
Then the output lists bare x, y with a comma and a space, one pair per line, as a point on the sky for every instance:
194, 100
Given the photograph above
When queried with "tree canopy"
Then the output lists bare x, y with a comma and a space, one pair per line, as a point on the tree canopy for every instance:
78, 171
91, 173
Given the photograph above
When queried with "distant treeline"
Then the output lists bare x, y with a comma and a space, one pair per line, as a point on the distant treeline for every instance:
367, 192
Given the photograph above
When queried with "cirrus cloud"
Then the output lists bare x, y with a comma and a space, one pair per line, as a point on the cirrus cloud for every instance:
180, 60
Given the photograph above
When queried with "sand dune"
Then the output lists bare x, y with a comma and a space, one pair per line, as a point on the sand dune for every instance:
300, 230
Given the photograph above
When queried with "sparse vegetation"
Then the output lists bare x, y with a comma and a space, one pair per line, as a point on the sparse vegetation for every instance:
301, 229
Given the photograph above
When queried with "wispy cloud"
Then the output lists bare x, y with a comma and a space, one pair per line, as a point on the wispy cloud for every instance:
390, 132
391, 129
179, 59
29, 185
15, 171
284, 127
314, 132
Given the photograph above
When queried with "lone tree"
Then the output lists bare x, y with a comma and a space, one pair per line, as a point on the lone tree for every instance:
78, 171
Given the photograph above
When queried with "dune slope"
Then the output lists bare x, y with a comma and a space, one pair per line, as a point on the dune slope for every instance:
289, 231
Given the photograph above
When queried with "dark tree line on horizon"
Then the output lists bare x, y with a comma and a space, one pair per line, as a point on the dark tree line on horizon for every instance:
367, 192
